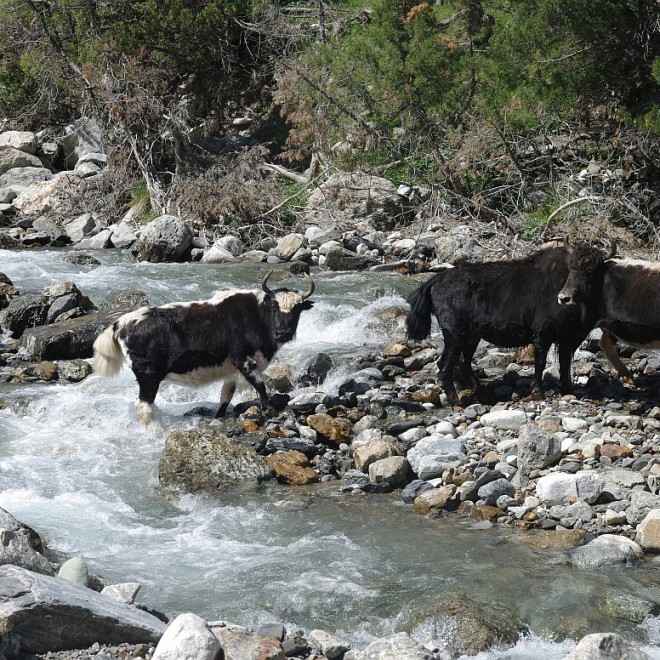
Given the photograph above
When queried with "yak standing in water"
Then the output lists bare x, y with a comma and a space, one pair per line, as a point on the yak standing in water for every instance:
195, 343
511, 303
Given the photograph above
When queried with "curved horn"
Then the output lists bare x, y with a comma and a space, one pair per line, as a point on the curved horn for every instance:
567, 241
311, 287
264, 286
611, 243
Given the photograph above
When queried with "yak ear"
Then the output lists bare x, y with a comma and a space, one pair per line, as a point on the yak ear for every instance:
307, 304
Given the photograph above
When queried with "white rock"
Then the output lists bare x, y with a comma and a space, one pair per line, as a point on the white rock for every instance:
231, 243
648, 531
21, 140
188, 637
562, 488
74, 570
218, 255
572, 424
505, 420
124, 592
331, 646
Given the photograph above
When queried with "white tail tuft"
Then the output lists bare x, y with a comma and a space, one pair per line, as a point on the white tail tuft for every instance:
108, 356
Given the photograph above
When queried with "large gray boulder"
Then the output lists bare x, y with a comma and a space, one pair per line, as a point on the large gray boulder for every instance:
22, 140
167, 238
11, 158
70, 339
205, 459
21, 545
39, 613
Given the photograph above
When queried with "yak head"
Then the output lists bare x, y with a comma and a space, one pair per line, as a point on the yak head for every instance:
586, 267
283, 308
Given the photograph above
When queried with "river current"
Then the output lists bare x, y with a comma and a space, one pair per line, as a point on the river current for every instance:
76, 466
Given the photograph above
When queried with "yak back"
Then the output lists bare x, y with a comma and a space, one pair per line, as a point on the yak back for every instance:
509, 302
631, 292
198, 334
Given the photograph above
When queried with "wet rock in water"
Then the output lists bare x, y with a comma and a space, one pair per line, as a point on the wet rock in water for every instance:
394, 470
463, 626
395, 647
205, 459
188, 637
292, 467
82, 259
606, 646
166, 238
74, 570
124, 592
39, 613
26, 311
73, 370
435, 498
317, 370
606, 550
331, 429
68, 340
414, 489
339, 258
21, 546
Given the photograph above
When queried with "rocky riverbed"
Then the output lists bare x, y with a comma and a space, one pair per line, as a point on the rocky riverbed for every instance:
579, 472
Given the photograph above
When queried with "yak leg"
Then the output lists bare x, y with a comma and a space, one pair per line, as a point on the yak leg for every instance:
541, 348
608, 347
226, 393
446, 364
565, 358
466, 364
148, 384
250, 372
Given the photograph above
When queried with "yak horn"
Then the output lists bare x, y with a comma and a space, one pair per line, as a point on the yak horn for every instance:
611, 243
567, 241
311, 287
264, 286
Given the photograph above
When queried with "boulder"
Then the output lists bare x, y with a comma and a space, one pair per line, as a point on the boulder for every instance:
74, 570
167, 238
205, 459
648, 532
606, 550
334, 430
287, 246
11, 159
464, 626
45, 194
71, 339
26, 311
123, 234
77, 228
217, 254
338, 258
241, 644
606, 646
537, 449
21, 546
505, 420
394, 470
188, 637
39, 613
372, 451
292, 467
22, 140
329, 645
563, 488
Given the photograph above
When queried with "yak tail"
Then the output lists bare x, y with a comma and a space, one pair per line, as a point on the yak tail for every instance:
418, 321
108, 356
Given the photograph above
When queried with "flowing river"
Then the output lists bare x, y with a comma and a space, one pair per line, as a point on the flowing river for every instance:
76, 466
